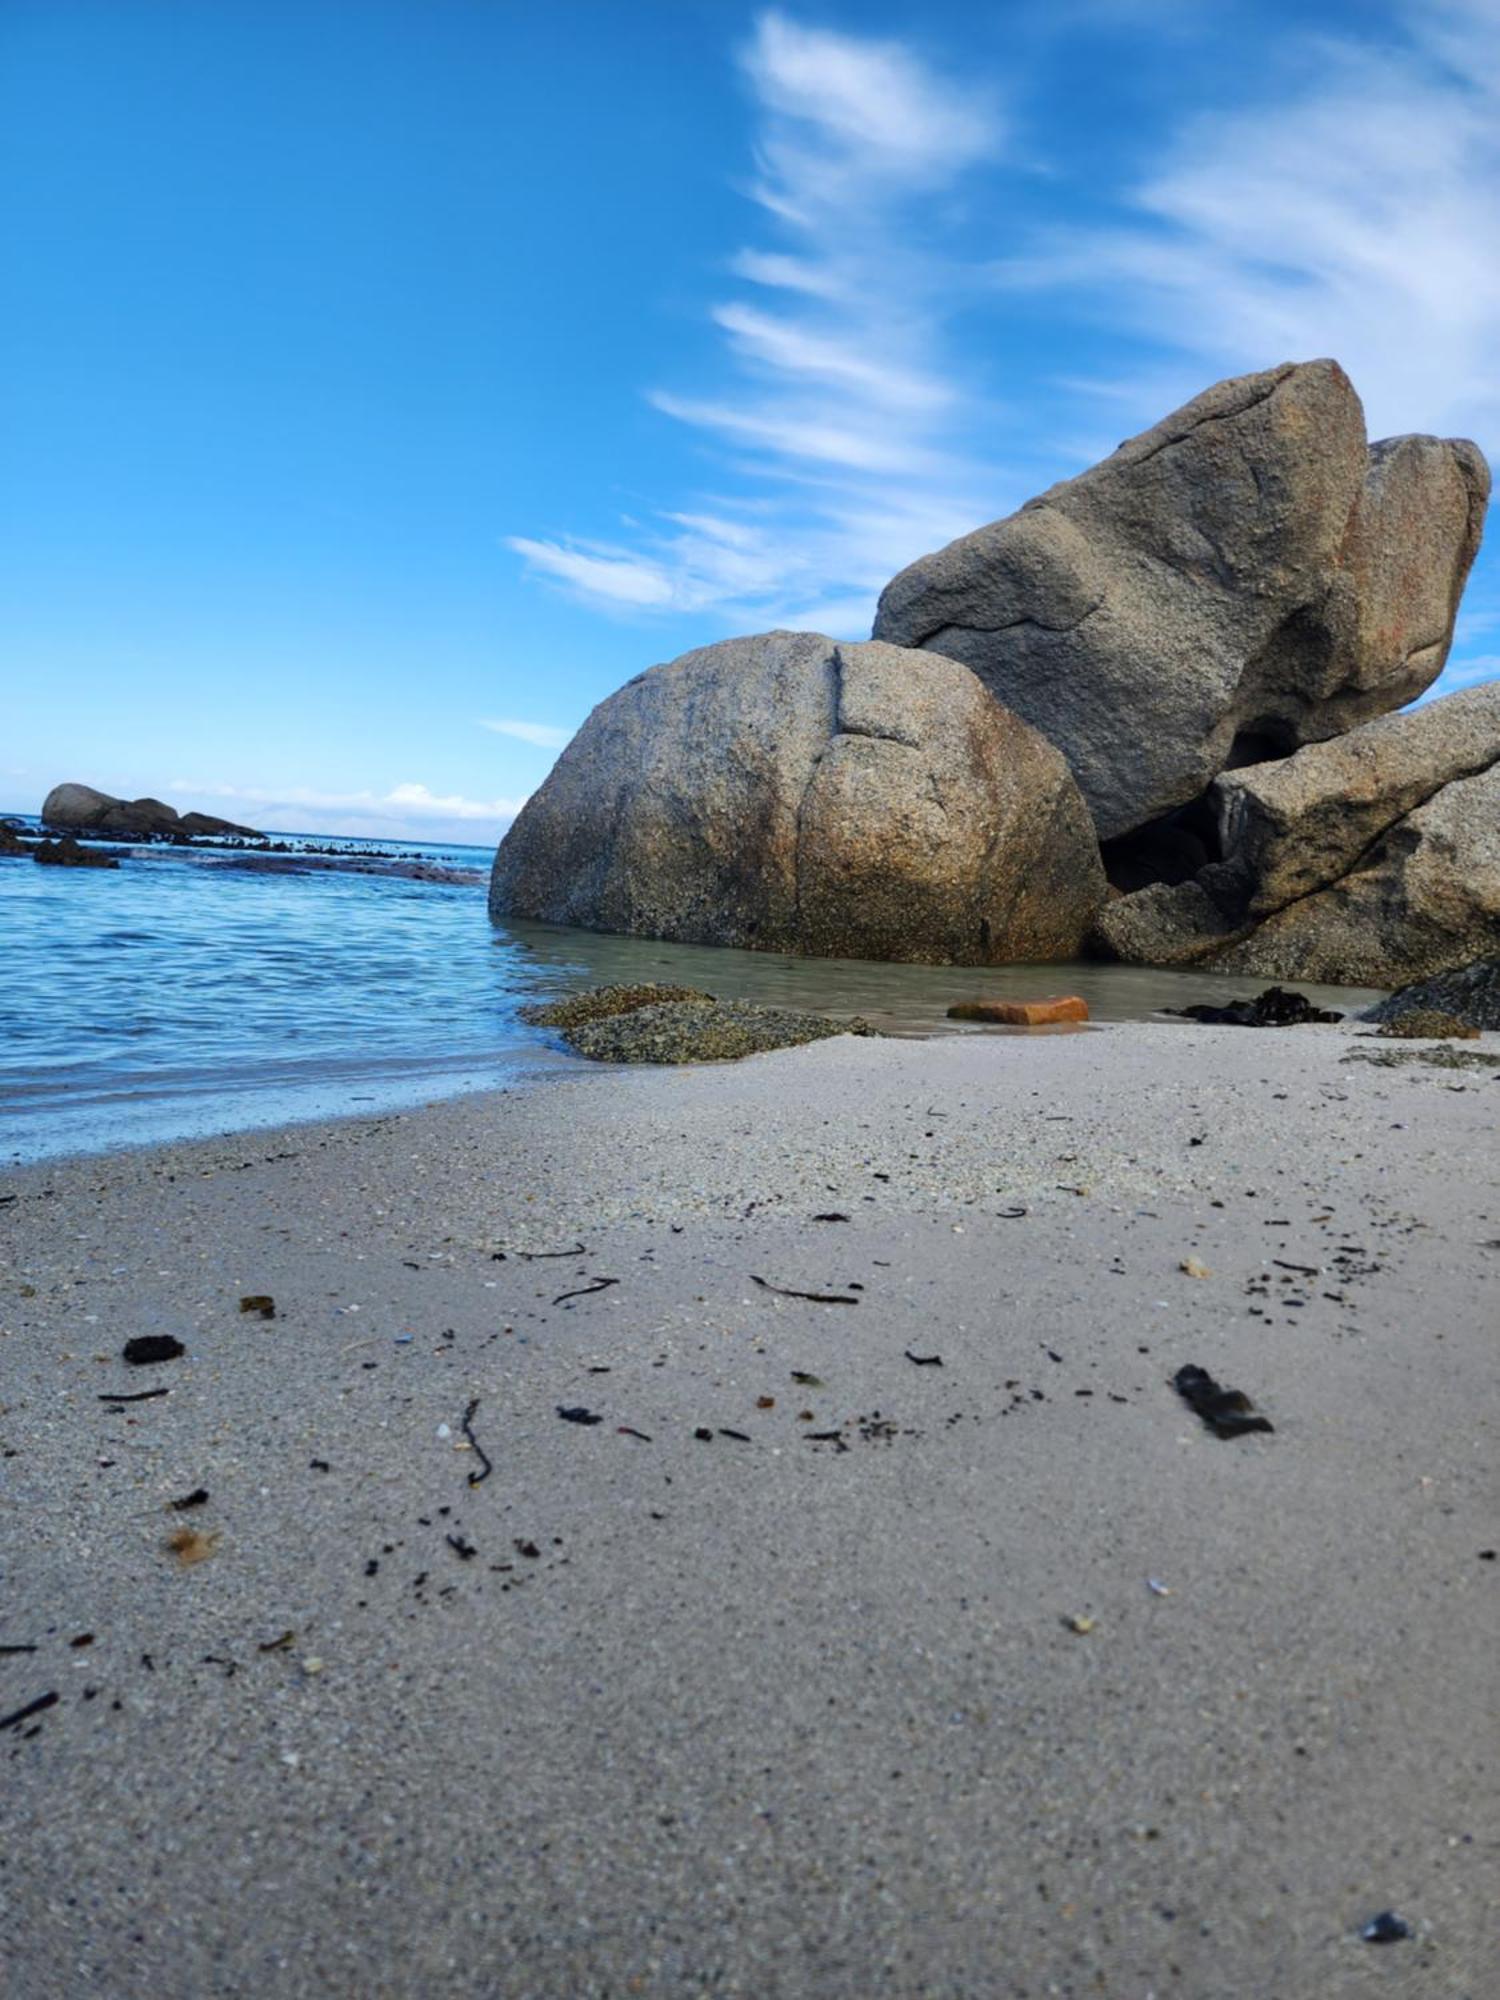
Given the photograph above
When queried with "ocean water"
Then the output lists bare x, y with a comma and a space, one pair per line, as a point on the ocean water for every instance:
187, 993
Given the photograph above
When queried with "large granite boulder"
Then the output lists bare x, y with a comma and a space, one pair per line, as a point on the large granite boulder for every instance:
81, 809
787, 793
1245, 577
1295, 825
1424, 899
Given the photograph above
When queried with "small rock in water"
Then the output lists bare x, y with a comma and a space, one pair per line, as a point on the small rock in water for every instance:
1022, 1013
602, 1003
703, 1031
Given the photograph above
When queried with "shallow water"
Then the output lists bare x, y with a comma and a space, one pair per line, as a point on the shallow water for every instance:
183, 994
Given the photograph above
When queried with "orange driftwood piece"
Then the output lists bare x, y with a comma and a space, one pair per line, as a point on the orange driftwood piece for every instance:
1022, 1013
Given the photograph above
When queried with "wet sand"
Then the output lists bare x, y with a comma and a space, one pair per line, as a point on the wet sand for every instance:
769, 1714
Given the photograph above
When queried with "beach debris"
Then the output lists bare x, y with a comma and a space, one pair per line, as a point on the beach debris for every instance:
461, 1547
586, 1291
831, 1215
923, 1360
281, 1644
1228, 1413
1023, 1013
575, 1413
740, 1437
19, 1715
538, 1256
528, 1549
1277, 1007
808, 1381
134, 1396
1081, 1623
197, 1498
1157, 1588
148, 1348
826, 1437
703, 1434
1191, 1268
261, 1304
815, 1298
630, 1431
25, 1646
486, 1466
765, 1402
1387, 1928
191, 1546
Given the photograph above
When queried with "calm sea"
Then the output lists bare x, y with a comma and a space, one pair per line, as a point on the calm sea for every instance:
186, 993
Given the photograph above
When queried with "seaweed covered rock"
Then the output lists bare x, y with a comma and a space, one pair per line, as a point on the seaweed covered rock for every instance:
603, 1003
67, 853
686, 1031
1245, 577
788, 793
1469, 993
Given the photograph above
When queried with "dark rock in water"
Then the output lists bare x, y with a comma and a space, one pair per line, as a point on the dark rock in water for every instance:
81, 809
787, 793
204, 826
1470, 993
684, 1031
1243, 578
66, 853
10, 840
601, 1003
1275, 1008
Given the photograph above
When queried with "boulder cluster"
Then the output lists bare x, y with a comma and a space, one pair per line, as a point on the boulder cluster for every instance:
80, 809
1150, 716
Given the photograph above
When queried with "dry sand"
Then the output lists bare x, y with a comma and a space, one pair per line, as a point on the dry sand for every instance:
765, 1716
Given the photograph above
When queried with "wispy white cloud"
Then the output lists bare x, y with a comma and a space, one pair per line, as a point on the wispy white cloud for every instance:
1354, 216
542, 735
845, 418
403, 804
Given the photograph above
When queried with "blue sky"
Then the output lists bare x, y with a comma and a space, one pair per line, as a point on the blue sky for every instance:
383, 385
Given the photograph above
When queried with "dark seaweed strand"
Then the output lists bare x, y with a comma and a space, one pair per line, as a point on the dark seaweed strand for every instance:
486, 1465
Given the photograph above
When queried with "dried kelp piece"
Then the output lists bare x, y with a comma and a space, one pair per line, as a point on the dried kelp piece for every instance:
1277, 1007
280, 1644
197, 1498
135, 1396
486, 1467
1228, 1413
462, 1548
832, 1215
149, 1348
826, 1437
586, 1291
808, 1381
816, 1298
261, 1304
575, 1413
740, 1437
43, 1701
924, 1360
630, 1431
1387, 1928
538, 1256
191, 1546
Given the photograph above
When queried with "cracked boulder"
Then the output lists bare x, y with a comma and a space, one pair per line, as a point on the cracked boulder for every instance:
1368, 860
788, 793
1244, 578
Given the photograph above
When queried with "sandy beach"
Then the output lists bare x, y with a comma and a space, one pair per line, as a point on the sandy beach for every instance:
923, 1642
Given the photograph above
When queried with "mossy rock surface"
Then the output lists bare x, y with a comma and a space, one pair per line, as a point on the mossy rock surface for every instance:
1427, 1024
603, 1003
687, 1031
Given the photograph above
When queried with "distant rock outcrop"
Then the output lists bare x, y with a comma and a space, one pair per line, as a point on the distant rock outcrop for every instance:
787, 793
81, 809
1244, 578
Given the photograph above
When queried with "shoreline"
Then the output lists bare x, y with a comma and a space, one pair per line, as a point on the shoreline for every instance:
767, 1714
